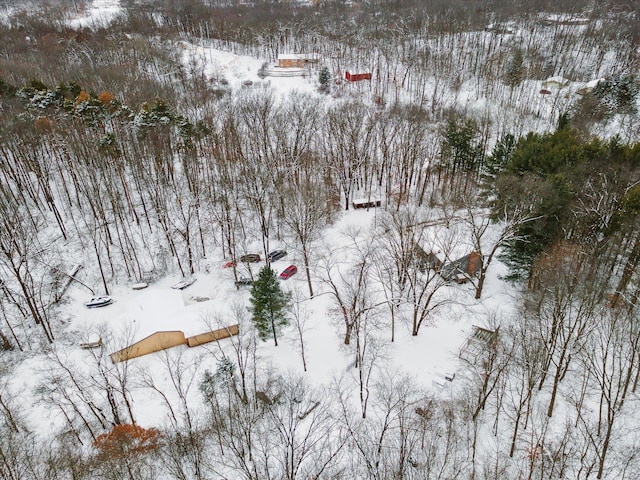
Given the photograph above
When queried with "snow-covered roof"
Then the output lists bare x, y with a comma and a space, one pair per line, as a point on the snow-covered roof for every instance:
557, 79
593, 83
298, 56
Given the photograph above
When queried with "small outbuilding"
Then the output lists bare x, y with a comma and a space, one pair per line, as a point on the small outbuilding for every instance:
480, 340
357, 77
366, 202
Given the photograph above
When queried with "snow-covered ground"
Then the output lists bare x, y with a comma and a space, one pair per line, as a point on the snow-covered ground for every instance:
239, 70
94, 14
213, 301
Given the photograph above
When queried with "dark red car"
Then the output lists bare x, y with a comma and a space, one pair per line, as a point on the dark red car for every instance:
287, 272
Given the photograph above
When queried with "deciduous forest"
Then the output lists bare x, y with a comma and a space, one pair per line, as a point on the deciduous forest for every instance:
499, 134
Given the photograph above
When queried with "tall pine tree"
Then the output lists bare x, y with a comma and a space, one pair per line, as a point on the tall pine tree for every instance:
269, 305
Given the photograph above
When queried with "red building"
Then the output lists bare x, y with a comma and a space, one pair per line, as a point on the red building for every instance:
356, 77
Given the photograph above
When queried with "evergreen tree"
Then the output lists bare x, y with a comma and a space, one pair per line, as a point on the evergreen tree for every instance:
324, 78
618, 94
514, 73
269, 305
461, 148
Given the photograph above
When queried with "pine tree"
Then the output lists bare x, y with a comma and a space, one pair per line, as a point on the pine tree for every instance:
269, 305
515, 69
324, 78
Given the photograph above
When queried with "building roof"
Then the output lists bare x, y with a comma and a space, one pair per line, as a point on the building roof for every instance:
467, 265
298, 56
557, 80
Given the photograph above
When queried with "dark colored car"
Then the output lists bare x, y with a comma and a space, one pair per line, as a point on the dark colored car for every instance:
288, 272
276, 255
244, 282
250, 258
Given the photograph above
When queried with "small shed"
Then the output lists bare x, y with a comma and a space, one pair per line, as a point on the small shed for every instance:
366, 202
481, 340
356, 77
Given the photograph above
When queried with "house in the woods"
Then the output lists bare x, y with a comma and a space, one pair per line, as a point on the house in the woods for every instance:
426, 261
159, 341
297, 60
588, 87
462, 269
563, 19
356, 77
480, 340
369, 202
555, 83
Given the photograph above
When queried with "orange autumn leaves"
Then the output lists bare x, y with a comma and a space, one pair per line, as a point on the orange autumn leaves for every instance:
127, 440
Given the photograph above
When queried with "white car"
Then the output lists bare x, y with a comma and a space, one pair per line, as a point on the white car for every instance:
101, 301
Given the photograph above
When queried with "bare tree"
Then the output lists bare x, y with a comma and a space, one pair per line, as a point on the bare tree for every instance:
184, 419
565, 300
19, 248
301, 316
486, 241
610, 361
305, 214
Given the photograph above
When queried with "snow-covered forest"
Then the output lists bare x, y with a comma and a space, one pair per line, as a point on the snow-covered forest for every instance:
462, 208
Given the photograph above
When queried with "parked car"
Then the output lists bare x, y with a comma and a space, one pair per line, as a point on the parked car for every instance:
244, 282
276, 255
101, 301
288, 272
250, 258
182, 284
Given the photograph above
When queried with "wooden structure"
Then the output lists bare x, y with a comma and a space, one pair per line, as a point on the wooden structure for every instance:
213, 336
480, 341
366, 202
296, 60
463, 269
555, 83
426, 261
357, 77
153, 343
92, 343
163, 340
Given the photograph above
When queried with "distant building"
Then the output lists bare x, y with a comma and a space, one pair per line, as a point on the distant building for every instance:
588, 87
555, 82
366, 202
297, 60
426, 261
356, 77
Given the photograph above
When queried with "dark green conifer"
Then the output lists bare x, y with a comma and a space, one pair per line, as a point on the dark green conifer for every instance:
269, 305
